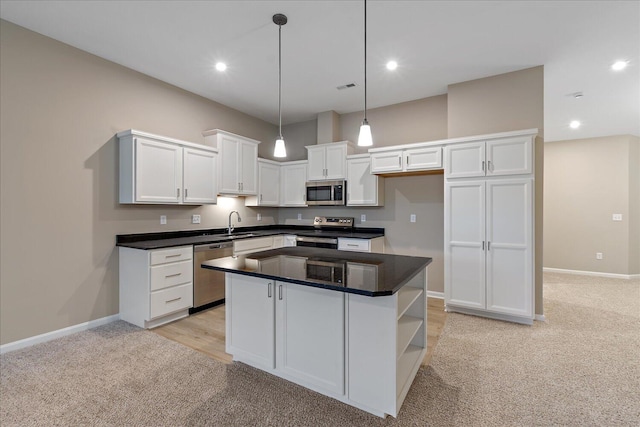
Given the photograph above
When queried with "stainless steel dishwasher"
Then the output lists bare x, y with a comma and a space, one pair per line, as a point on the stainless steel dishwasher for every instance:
208, 285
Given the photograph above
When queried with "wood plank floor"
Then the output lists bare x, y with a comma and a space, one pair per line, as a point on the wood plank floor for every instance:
205, 331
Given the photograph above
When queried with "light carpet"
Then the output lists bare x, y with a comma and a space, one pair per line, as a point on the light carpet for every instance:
581, 367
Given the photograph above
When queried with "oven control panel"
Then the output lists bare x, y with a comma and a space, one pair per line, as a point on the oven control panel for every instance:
333, 221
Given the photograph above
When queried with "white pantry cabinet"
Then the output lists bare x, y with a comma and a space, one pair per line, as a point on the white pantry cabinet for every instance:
156, 286
268, 185
495, 157
363, 188
158, 170
296, 330
293, 177
489, 247
414, 159
328, 161
238, 162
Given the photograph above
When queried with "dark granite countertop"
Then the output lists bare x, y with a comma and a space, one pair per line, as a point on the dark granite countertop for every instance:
361, 273
148, 241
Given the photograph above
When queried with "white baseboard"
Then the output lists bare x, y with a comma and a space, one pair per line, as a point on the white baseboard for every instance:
591, 273
28, 342
434, 294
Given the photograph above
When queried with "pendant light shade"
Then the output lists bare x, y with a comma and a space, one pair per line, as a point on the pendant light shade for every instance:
280, 150
365, 139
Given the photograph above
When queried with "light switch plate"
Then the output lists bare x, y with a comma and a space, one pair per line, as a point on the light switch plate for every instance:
299, 217
259, 217
598, 255
163, 220
617, 217
363, 218
412, 218
195, 219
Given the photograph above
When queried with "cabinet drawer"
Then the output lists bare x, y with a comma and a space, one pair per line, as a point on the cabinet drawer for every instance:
166, 275
252, 245
170, 300
358, 245
164, 256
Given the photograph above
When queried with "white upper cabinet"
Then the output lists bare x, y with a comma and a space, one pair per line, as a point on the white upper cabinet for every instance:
503, 156
328, 161
419, 158
268, 185
200, 176
238, 162
293, 177
160, 170
363, 188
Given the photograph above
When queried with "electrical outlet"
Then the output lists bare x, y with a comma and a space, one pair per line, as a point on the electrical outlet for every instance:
617, 217
163, 220
363, 218
259, 217
195, 219
598, 255
412, 218
299, 217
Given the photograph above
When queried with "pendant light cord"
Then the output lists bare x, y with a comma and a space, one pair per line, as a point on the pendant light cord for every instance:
365, 60
280, 80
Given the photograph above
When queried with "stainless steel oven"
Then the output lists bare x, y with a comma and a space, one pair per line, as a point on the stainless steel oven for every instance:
326, 193
317, 242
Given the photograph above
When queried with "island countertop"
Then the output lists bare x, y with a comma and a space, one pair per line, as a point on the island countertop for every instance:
369, 274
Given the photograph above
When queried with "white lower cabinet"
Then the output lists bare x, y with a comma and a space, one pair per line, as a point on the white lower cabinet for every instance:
296, 330
255, 244
156, 286
364, 351
375, 245
489, 248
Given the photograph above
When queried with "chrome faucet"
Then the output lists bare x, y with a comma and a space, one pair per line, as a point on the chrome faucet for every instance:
230, 229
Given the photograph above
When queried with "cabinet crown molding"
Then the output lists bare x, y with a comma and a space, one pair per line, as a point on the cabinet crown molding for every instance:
213, 132
328, 144
524, 132
137, 133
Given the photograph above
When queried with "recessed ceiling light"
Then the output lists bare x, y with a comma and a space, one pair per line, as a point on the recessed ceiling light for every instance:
575, 124
619, 65
392, 65
221, 66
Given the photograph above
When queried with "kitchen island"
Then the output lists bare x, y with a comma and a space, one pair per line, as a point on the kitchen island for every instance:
349, 325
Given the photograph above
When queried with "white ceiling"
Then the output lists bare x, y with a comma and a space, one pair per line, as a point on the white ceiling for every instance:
436, 43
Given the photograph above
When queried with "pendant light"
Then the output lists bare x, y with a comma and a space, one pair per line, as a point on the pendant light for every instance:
364, 139
279, 150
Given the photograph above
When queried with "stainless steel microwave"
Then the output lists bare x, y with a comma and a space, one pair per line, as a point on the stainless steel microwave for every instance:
327, 193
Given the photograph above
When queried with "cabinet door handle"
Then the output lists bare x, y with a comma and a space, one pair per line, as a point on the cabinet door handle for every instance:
352, 245
172, 275
279, 292
261, 197
483, 245
488, 246
407, 160
185, 193
238, 186
173, 300
483, 166
172, 256
269, 290
304, 197
177, 192
489, 166
399, 161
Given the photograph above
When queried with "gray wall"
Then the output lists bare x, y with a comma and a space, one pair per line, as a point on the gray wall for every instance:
588, 180
61, 108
